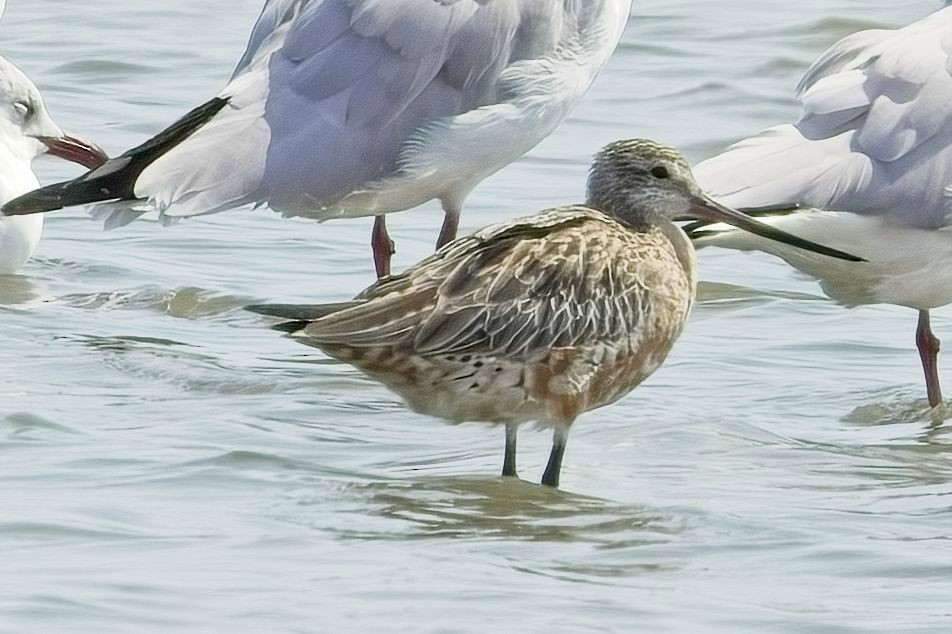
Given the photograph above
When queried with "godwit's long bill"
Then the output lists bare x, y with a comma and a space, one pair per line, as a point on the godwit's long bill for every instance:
28, 131
542, 318
867, 168
348, 108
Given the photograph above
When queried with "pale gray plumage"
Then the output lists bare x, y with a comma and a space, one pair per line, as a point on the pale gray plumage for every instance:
874, 136
867, 167
343, 108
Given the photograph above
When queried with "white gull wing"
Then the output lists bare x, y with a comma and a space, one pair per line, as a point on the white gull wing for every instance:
361, 107
18, 236
874, 136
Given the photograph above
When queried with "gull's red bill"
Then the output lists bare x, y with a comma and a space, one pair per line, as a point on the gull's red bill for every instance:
75, 149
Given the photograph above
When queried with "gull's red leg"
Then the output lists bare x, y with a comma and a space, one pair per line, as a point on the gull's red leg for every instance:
450, 226
929, 345
382, 246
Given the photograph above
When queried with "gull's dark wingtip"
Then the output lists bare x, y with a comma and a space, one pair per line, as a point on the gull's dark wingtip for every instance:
116, 178
696, 228
810, 245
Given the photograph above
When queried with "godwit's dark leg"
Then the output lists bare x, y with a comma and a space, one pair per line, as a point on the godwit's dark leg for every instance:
928, 345
552, 470
382, 246
450, 225
509, 462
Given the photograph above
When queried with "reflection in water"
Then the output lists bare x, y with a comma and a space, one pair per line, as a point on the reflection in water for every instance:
17, 290
508, 509
897, 407
182, 303
176, 364
733, 295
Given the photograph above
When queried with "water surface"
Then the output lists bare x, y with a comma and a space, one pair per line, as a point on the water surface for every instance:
167, 463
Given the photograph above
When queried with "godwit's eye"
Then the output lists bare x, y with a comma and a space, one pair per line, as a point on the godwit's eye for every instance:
660, 172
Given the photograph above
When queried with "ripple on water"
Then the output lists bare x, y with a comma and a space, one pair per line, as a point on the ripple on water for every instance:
830, 29
103, 69
168, 463
35, 533
63, 268
897, 406
180, 365
182, 303
24, 426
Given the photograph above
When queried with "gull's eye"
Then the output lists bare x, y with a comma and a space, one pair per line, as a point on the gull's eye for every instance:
660, 172
23, 109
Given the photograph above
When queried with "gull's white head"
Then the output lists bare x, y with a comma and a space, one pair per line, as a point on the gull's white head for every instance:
24, 121
26, 128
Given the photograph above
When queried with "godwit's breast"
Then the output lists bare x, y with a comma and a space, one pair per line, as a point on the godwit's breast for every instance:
660, 265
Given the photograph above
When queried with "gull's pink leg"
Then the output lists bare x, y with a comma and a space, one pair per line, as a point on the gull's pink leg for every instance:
382, 246
928, 345
450, 226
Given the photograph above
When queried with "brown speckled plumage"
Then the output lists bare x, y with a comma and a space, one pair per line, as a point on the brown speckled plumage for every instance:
539, 319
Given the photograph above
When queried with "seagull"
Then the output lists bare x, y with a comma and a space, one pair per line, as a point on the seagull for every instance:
27, 131
867, 168
538, 319
348, 108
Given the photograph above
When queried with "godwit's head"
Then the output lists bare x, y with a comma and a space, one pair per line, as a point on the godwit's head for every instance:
643, 183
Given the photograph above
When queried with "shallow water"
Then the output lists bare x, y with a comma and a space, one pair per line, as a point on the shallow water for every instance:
168, 463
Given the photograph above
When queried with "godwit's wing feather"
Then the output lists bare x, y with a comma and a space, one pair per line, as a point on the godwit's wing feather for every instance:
299, 312
516, 289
